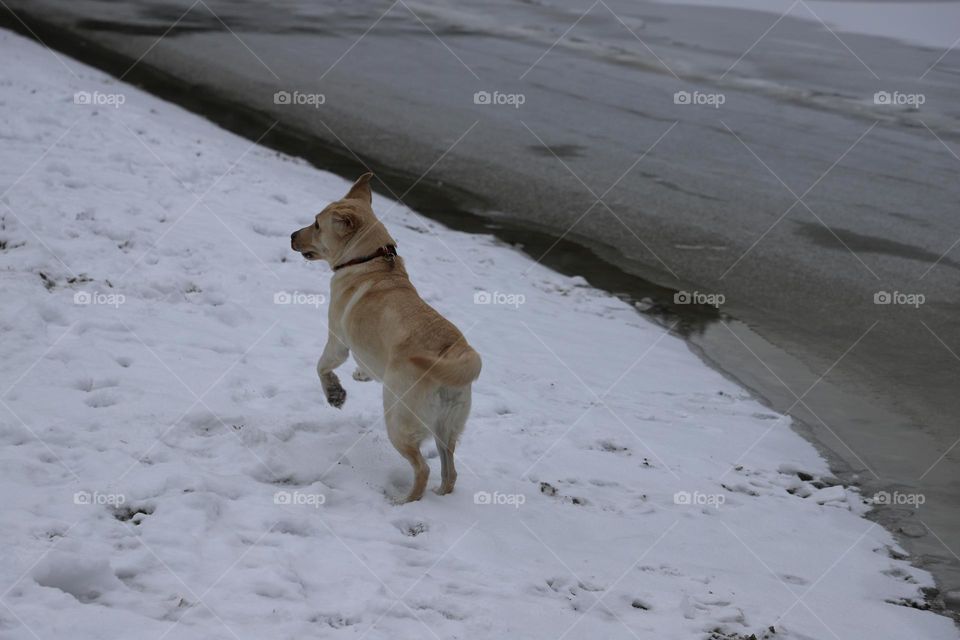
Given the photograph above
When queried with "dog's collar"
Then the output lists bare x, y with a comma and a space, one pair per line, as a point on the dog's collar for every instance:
387, 251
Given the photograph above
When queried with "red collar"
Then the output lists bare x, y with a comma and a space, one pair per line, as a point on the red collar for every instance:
387, 251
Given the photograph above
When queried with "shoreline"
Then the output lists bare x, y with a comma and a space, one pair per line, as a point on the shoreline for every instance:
446, 204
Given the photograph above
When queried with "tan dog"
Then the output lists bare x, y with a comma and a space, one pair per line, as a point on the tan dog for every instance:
423, 360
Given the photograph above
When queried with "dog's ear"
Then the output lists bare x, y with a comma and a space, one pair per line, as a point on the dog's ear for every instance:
361, 189
345, 223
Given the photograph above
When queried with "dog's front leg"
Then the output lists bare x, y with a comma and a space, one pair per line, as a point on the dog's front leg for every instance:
335, 353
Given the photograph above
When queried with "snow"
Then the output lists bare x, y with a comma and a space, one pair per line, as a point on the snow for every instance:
170, 468
927, 24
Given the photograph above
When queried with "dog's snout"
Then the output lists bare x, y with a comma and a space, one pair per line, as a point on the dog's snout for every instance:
293, 240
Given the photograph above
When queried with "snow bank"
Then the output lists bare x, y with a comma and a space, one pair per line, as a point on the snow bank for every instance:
170, 470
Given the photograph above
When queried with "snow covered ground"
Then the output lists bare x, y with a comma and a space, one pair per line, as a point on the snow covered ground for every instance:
170, 469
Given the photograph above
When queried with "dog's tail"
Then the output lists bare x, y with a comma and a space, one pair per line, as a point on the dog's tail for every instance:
452, 370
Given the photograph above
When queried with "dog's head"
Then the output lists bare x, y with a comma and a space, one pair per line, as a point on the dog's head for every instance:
345, 223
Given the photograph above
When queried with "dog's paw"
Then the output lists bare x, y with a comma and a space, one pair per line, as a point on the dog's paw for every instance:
361, 376
398, 501
336, 394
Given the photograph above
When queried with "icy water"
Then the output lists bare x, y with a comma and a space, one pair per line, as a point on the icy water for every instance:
806, 174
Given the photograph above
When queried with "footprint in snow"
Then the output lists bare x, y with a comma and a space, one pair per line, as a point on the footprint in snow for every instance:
770, 633
204, 424
101, 399
134, 514
742, 487
581, 595
334, 620
548, 489
444, 612
301, 528
712, 607
663, 569
84, 578
611, 447
411, 528
270, 232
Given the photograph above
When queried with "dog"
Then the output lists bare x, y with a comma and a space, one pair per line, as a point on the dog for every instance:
423, 360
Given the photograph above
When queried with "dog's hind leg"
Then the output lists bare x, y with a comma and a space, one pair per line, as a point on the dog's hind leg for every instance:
448, 471
408, 444
421, 471
406, 431
453, 417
